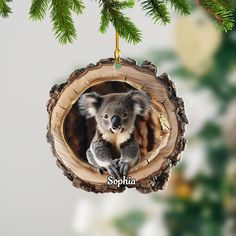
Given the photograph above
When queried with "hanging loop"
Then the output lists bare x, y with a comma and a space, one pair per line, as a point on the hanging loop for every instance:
117, 54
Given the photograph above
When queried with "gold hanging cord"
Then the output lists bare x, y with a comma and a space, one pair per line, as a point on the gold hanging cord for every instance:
117, 50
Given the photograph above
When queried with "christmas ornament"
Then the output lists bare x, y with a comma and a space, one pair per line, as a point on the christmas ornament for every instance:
159, 133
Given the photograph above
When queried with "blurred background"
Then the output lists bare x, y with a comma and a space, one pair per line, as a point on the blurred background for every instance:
36, 199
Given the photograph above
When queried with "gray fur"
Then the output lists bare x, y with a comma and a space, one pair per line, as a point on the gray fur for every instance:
113, 149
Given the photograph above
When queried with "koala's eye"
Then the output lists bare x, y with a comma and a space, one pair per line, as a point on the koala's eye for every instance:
105, 116
125, 115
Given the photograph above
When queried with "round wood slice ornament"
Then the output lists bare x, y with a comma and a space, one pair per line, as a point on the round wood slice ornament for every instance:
160, 133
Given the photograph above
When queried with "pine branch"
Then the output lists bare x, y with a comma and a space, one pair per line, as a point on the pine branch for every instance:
126, 4
221, 15
63, 25
38, 9
157, 10
77, 6
111, 12
61, 15
105, 21
229, 4
5, 10
126, 29
180, 6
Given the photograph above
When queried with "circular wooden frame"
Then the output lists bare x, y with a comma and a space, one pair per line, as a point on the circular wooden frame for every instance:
153, 171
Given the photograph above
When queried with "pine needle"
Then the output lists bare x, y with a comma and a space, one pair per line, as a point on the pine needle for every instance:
104, 23
221, 11
38, 9
111, 12
157, 10
63, 25
126, 29
221, 15
5, 10
180, 6
77, 6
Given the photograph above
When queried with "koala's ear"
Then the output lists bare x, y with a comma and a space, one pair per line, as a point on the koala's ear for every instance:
89, 103
140, 101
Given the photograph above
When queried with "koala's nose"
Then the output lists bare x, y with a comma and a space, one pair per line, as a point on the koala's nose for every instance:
116, 122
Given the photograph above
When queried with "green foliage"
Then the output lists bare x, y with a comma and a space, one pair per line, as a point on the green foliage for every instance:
5, 10
62, 21
61, 15
181, 6
229, 4
112, 12
104, 24
187, 217
157, 10
126, 4
38, 9
129, 223
210, 131
218, 11
77, 6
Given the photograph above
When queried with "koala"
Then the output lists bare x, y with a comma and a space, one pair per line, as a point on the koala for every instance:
114, 147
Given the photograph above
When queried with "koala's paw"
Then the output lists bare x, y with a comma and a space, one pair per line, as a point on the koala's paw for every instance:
123, 168
113, 170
